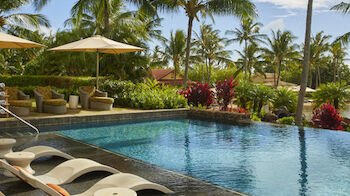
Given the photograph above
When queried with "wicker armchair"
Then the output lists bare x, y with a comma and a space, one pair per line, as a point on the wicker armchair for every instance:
19, 102
49, 101
92, 98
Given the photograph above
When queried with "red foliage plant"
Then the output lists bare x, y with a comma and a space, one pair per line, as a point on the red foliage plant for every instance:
199, 94
327, 117
238, 110
225, 93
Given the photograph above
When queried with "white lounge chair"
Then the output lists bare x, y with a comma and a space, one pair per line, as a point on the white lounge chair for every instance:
41, 151
65, 172
123, 180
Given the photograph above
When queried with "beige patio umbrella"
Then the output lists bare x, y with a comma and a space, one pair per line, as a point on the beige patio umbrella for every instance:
10, 41
98, 44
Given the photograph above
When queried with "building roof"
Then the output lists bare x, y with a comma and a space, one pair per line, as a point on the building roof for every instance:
160, 73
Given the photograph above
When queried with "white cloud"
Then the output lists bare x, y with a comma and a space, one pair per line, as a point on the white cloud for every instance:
274, 25
290, 13
47, 30
300, 4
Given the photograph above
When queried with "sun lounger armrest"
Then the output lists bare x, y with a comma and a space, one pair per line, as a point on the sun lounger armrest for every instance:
99, 93
23, 96
84, 98
56, 95
39, 100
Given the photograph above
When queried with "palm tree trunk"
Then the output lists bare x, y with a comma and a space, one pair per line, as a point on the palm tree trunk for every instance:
319, 76
279, 72
334, 70
310, 82
209, 70
245, 58
187, 61
175, 70
303, 83
106, 18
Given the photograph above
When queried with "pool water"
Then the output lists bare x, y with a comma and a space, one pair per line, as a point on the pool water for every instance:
258, 159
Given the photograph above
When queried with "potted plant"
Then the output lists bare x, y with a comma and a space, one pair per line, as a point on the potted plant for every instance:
74, 99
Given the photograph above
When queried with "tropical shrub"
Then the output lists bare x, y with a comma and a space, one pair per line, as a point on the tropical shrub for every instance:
225, 93
143, 96
242, 110
287, 120
199, 94
334, 93
327, 117
243, 93
285, 97
261, 94
255, 117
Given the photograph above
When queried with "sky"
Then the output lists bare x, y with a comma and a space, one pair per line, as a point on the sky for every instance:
273, 14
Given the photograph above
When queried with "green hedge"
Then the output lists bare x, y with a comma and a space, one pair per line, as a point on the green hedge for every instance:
62, 82
143, 96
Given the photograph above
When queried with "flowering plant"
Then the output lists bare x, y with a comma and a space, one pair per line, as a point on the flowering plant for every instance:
327, 117
225, 93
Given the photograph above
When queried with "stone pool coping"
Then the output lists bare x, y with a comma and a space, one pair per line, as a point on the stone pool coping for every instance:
179, 183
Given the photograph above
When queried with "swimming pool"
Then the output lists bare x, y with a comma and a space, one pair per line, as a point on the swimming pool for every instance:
258, 159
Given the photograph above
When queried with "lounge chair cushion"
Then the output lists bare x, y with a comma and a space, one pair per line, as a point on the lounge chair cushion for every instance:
21, 103
59, 189
12, 93
45, 91
102, 99
89, 89
55, 102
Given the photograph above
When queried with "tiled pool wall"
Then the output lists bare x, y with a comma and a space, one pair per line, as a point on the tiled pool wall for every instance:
218, 116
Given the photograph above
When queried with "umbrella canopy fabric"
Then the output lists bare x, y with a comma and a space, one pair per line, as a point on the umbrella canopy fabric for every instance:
297, 89
99, 44
10, 41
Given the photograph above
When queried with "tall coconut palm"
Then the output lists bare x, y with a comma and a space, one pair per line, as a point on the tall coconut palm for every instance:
319, 46
344, 8
175, 50
10, 19
249, 33
239, 8
338, 53
303, 82
280, 49
250, 59
211, 47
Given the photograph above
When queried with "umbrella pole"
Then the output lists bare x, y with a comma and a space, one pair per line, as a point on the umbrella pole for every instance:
97, 68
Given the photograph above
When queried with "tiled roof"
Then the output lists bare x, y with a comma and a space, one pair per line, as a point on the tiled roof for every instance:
160, 73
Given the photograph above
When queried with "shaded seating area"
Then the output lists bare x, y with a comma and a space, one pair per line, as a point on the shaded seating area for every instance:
92, 98
49, 101
19, 102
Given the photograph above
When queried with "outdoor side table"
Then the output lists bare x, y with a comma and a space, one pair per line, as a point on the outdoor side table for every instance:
21, 159
115, 192
6, 145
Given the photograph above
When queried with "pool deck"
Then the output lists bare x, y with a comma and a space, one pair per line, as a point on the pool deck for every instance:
180, 184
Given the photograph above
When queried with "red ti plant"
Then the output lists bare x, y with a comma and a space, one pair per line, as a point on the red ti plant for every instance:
199, 94
225, 93
327, 117
242, 110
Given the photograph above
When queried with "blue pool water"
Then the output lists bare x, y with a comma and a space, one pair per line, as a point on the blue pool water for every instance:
258, 159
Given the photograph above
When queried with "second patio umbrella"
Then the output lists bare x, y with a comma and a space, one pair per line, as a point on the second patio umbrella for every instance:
98, 44
10, 41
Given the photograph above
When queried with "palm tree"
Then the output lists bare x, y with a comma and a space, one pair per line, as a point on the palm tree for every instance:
211, 47
319, 46
345, 9
175, 50
250, 59
102, 10
241, 8
280, 49
338, 54
303, 82
249, 34
11, 20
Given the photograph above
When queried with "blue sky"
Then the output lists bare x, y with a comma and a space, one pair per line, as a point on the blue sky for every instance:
273, 14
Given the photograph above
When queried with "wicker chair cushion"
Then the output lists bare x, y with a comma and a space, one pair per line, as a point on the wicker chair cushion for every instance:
55, 102
89, 89
12, 92
21, 103
45, 91
102, 99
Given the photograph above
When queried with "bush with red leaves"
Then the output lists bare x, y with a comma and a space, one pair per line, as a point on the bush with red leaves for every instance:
242, 110
225, 93
199, 94
327, 117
